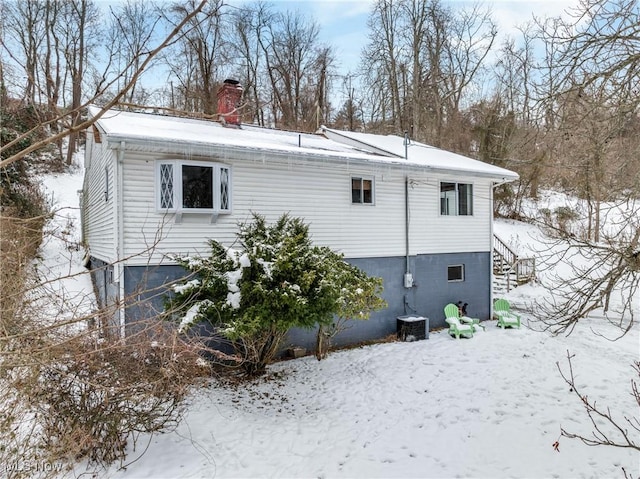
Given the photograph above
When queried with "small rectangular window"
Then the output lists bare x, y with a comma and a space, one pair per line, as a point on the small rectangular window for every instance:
447, 198
456, 199
455, 272
362, 190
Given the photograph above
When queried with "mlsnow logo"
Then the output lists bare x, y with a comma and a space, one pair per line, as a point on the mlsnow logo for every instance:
33, 466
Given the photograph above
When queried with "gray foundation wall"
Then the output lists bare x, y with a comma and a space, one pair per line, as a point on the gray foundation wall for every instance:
147, 286
430, 294
105, 288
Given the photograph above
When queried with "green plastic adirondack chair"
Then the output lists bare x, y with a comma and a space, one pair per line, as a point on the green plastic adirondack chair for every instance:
506, 317
456, 327
474, 322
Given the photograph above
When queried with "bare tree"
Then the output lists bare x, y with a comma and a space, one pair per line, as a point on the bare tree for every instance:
608, 430
66, 116
475, 33
602, 43
296, 64
381, 58
201, 55
52, 64
79, 14
514, 74
130, 33
53, 48
24, 22
250, 28
603, 276
349, 117
421, 74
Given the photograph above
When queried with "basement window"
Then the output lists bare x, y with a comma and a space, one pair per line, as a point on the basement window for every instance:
193, 187
456, 199
362, 190
455, 273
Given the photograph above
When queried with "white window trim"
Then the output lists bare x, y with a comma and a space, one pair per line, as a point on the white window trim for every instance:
457, 197
373, 189
177, 188
461, 266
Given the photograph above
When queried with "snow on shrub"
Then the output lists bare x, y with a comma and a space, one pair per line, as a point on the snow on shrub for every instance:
277, 280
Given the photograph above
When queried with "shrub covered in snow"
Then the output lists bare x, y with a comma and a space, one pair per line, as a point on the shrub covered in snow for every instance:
277, 280
358, 296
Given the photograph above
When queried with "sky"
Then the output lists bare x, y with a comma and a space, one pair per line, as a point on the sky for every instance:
343, 23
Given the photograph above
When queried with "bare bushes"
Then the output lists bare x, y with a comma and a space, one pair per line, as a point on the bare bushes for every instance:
23, 212
82, 398
94, 400
66, 393
19, 242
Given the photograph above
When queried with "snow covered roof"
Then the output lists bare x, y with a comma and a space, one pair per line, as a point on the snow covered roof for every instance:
177, 132
416, 152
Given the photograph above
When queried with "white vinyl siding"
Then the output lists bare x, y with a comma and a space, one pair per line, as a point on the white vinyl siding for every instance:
98, 204
432, 232
317, 193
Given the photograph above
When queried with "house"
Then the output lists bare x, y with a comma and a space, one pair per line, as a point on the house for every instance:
417, 216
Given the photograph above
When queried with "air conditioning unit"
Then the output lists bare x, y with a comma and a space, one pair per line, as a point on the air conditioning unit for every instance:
412, 328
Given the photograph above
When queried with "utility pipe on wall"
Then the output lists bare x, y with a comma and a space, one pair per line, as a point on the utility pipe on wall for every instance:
406, 223
408, 278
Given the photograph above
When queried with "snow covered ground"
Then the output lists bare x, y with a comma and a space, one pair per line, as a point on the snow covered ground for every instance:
490, 406
66, 286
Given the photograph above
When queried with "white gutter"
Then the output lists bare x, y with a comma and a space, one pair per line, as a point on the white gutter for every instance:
239, 152
119, 265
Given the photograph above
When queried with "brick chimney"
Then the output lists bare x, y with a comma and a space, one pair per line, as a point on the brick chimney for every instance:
229, 97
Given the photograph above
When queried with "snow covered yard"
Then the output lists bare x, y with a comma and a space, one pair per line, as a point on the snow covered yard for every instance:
491, 406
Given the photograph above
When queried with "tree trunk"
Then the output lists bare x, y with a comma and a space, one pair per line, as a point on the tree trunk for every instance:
77, 73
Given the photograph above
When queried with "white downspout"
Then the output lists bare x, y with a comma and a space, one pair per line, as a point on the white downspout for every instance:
407, 270
119, 270
408, 277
